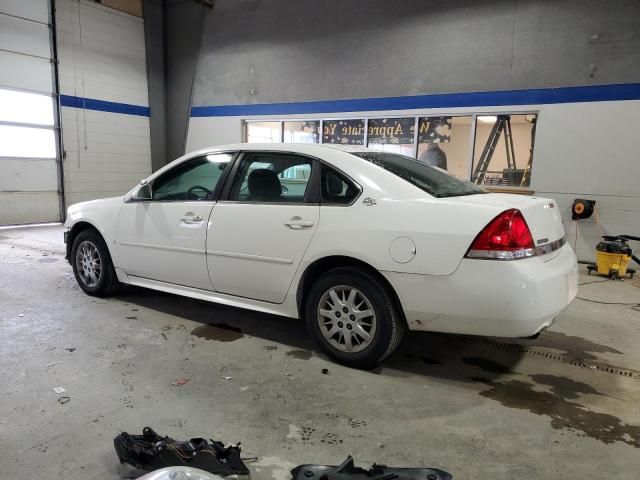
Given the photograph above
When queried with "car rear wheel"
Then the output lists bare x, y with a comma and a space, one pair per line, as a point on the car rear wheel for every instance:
353, 318
92, 265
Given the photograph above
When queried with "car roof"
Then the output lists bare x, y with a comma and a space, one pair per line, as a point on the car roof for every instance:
310, 148
328, 152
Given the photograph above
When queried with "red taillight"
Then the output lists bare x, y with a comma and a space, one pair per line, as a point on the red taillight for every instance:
507, 237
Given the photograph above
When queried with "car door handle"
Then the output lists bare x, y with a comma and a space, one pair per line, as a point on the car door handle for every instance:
190, 219
297, 223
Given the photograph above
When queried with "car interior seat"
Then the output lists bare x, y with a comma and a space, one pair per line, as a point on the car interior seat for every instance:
264, 185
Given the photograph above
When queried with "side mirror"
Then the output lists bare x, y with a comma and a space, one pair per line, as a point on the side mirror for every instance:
143, 193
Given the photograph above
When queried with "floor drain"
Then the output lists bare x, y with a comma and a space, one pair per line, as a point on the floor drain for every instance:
562, 358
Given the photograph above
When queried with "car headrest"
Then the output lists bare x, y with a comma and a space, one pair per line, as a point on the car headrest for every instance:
334, 184
264, 185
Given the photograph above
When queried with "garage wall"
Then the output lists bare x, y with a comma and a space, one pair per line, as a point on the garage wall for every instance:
265, 51
105, 112
590, 151
28, 176
262, 60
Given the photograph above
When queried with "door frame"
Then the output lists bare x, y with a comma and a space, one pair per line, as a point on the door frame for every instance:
311, 195
217, 190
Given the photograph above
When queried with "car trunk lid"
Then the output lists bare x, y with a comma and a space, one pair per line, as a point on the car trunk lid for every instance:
541, 214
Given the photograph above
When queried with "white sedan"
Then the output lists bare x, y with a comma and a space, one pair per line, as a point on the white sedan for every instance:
362, 244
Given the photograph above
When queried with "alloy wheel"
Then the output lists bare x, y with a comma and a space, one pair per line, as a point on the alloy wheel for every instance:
88, 264
347, 319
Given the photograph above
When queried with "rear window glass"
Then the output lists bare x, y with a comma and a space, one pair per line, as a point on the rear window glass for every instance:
336, 189
434, 181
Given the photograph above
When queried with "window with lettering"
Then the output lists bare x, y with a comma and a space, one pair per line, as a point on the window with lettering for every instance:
395, 135
345, 132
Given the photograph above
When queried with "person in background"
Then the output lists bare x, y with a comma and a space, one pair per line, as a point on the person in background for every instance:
434, 156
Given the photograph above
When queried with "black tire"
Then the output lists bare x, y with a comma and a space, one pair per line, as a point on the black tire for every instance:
107, 282
389, 323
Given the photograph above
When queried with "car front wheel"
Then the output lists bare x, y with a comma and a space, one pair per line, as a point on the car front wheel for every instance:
92, 265
353, 318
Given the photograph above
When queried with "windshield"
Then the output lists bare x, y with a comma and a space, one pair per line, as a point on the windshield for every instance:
434, 181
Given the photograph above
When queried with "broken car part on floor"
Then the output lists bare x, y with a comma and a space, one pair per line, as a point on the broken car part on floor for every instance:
150, 451
180, 473
348, 471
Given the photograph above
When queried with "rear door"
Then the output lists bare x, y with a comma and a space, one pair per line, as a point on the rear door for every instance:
259, 234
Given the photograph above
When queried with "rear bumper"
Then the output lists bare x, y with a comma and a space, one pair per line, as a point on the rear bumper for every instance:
494, 298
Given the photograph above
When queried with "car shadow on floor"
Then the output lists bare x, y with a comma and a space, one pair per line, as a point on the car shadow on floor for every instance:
453, 357
448, 356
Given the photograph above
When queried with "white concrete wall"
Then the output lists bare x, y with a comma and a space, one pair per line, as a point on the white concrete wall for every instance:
582, 150
102, 56
590, 150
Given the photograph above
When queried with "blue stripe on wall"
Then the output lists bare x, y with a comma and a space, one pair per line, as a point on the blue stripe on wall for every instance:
596, 93
103, 106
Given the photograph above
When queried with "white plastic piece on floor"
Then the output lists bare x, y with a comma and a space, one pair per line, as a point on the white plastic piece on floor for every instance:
59, 389
180, 473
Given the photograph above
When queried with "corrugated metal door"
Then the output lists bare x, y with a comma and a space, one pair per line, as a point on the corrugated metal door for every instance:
28, 154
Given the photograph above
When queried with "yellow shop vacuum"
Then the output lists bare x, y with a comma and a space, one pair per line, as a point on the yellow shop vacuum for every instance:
613, 254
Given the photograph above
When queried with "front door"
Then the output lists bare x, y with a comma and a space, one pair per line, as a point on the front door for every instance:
259, 235
164, 238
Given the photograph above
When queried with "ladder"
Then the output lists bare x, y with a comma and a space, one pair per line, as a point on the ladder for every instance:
503, 124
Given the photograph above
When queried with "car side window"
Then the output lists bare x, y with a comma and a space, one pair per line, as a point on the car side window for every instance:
336, 189
271, 177
195, 179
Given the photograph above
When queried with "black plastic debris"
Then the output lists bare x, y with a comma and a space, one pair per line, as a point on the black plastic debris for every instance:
348, 471
150, 451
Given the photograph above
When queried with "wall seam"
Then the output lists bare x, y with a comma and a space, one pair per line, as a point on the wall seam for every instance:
193, 80
53, 32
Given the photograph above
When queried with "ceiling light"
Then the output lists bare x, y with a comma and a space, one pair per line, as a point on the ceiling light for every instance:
488, 119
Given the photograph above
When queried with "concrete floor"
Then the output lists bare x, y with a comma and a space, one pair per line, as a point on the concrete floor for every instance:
562, 406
